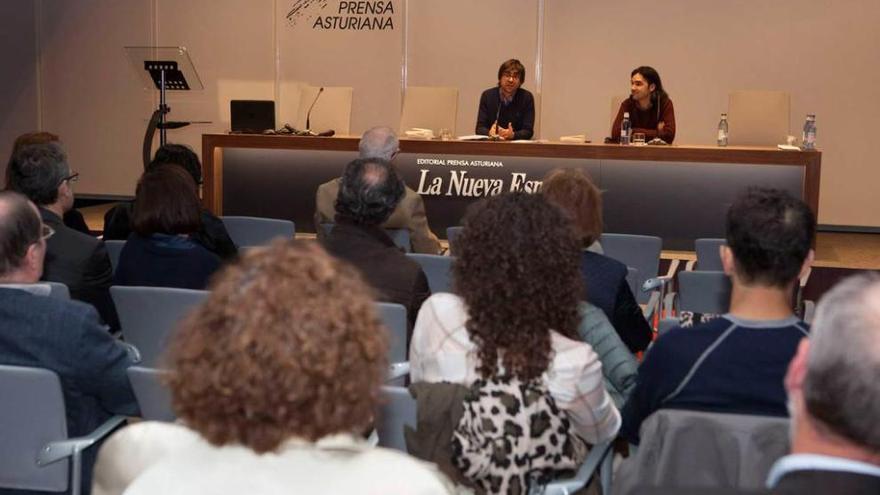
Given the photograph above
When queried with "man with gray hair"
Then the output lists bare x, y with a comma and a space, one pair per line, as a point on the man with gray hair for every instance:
382, 142
77, 260
834, 397
59, 335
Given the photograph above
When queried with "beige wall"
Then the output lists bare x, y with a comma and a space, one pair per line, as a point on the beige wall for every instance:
18, 87
90, 96
461, 43
822, 52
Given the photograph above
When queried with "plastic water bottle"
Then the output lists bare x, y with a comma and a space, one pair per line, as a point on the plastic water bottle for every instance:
808, 139
625, 129
722, 130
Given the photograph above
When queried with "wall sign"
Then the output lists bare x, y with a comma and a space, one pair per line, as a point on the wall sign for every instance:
341, 15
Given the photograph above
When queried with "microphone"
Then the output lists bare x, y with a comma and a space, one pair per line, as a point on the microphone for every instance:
309, 113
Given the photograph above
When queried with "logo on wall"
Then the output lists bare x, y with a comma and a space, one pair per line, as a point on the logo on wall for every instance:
458, 182
327, 15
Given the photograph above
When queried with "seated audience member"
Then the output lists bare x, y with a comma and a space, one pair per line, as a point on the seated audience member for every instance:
72, 217
161, 252
604, 277
62, 336
275, 398
833, 397
515, 313
736, 363
80, 261
649, 106
369, 191
212, 234
381, 142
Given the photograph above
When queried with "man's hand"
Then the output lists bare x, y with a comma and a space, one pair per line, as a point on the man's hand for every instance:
661, 125
506, 133
493, 131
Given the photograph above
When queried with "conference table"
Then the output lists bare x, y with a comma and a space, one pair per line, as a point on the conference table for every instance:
679, 193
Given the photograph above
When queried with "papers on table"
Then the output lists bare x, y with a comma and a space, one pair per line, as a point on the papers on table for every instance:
473, 137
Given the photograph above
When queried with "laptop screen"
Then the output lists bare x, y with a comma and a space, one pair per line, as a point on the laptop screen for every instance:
252, 116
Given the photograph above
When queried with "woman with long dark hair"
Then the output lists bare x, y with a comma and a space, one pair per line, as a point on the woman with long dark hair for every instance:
649, 107
515, 312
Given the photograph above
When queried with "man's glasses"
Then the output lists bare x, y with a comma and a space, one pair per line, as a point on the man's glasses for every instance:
46, 232
71, 178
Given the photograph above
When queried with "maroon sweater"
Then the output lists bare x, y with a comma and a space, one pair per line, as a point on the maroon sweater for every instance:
646, 121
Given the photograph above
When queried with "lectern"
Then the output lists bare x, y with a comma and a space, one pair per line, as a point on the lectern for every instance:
163, 68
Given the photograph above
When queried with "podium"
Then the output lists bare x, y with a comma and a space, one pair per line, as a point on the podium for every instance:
162, 68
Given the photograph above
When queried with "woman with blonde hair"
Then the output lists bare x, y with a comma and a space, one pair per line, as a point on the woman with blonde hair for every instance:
274, 378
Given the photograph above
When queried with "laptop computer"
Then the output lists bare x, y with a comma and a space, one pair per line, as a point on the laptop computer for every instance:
252, 116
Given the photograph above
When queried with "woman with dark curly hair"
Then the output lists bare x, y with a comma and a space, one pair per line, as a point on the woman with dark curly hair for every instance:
605, 278
516, 312
274, 377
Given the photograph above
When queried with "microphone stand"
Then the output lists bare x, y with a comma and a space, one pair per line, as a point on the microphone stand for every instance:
308, 129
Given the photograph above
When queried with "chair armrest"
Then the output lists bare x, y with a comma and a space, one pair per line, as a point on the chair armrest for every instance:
657, 285
582, 477
61, 449
397, 370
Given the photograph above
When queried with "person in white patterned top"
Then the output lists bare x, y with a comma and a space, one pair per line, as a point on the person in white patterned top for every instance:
518, 283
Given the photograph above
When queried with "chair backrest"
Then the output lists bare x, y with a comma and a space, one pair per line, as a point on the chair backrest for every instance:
147, 315
55, 290
708, 256
400, 238
758, 118
451, 235
398, 410
429, 107
153, 398
32, 415
704, 291
641, 252
114, 248
332, 110
704, 450
437, 268
254, 231
394, 317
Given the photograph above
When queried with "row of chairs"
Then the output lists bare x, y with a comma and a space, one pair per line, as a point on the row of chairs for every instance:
679, 448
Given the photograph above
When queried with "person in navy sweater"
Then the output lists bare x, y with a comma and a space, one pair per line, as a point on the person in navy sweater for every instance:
162, 250
736, 363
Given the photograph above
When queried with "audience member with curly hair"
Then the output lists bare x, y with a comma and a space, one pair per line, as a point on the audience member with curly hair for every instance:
604, 277
274, 377
516, 312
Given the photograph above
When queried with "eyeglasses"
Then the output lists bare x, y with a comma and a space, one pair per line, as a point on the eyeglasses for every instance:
71, 178
511, 75
46, 232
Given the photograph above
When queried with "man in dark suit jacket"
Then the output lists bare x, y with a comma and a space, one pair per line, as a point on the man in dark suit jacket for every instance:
834, 397
62, 336
78, 260
369, 191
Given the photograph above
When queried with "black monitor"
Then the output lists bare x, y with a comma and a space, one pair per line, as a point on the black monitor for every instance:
252, 116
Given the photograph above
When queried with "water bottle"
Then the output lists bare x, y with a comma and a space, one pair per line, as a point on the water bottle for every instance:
625, 129
808, 139
722, 130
